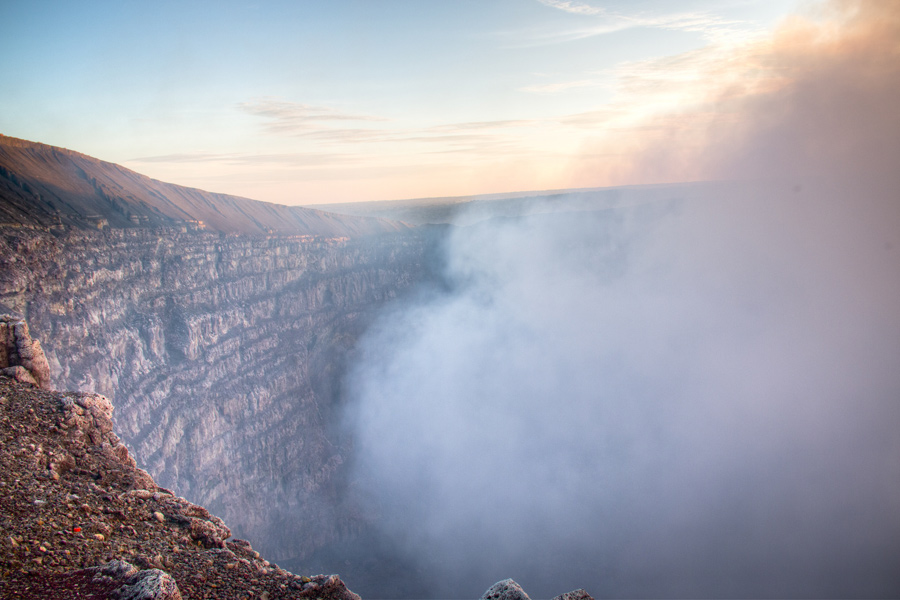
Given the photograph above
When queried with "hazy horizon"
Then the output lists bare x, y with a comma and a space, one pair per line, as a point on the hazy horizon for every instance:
311, 103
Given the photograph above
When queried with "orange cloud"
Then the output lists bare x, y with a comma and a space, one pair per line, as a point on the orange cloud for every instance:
819, 97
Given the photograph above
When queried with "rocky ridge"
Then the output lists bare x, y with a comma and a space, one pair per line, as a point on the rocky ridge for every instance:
57, 188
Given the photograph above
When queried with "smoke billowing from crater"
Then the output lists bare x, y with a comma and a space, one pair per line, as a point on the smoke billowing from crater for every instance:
695, 396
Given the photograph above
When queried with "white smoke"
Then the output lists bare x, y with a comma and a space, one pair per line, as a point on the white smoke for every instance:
694, 397
695, 400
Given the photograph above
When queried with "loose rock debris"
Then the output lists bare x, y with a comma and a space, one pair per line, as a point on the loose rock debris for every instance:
78, 518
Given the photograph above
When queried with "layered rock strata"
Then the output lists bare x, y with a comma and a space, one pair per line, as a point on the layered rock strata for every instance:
21, 357
222, 353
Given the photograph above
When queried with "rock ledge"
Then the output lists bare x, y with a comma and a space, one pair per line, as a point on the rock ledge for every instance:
77, 513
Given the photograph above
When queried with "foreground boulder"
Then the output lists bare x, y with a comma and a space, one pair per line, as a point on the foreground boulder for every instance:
510, 590
116, 579
505, 590
578, 594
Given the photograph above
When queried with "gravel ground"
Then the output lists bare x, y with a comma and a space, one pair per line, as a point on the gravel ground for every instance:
72, 498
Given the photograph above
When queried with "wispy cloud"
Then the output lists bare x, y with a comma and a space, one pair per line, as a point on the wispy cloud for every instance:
723, 37
293, 159
325, 141
483, 125
554, 88
578, 8
181, 157
293, 117
604, 22
346, 134
325, 125
594, 118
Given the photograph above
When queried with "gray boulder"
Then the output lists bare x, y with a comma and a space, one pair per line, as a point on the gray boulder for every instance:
578, 594
505, 590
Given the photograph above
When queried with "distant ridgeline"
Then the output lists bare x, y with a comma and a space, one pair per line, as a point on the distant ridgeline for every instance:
51, 187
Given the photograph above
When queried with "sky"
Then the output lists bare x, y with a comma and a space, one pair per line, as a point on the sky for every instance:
318, 102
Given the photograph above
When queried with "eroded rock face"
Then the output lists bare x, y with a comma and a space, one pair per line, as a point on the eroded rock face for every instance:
222, 354
22, 357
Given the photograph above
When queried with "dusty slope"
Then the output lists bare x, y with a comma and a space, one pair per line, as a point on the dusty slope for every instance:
48, 186
71, 497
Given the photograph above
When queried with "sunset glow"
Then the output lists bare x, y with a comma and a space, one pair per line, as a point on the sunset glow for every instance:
304, 103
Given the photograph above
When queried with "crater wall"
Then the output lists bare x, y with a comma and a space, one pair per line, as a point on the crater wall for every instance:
222, 354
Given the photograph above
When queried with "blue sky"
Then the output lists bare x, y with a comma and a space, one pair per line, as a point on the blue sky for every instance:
307, 102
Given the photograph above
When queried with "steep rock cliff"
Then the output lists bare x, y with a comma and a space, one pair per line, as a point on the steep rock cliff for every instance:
222, 354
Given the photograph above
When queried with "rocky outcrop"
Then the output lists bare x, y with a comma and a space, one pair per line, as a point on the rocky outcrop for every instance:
578, 594
79, 517
510, 590
222, 353
121, 580
21, 357
506, 589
